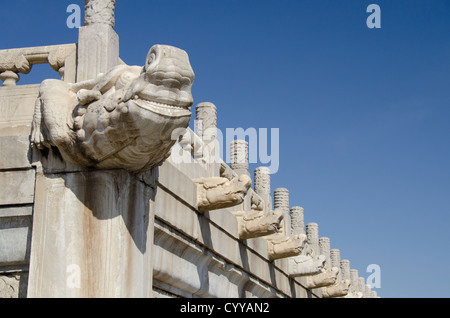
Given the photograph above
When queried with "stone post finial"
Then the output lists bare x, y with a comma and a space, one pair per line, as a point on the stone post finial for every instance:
324, 246
335, 255
345, 269
262, 186
297, 220
206, 121
9, 78
361, 285
262, 180
312, 232
354, 279
99, 12
206, 129
281, 202
281, 199
239, 157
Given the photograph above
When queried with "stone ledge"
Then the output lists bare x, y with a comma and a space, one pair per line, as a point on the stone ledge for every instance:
184, 268
217, 230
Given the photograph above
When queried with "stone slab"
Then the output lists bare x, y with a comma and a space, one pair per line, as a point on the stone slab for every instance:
92, 235
17, 187
13, 285
17, 109
15, 239
15, 152
16, 211
98, 50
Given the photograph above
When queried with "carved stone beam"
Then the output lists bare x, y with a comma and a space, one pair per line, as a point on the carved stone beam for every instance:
339, 289
323, 279
285, 247
217, 192
14, 61
306, 265
259, 223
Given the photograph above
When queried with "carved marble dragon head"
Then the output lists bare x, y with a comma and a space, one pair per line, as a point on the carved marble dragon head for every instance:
121, 119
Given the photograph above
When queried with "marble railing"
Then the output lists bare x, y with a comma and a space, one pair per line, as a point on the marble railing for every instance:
15, 61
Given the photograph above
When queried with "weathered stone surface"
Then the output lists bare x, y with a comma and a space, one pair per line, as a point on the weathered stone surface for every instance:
6, 212
218, 231
262, 186
99, 12
21, 60
17, 187
15, 152
339, 289
287, 246
92, 235
15, 235
17, 108
259, 223
98, 51
305, 265
239, 157
217, 193
13, 285
323, 279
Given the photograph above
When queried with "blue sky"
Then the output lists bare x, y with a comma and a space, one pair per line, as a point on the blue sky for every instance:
363, 114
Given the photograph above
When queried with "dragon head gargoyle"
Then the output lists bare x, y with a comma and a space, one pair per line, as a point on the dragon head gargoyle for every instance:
121, 119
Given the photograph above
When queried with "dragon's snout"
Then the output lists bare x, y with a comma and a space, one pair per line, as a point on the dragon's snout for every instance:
169, 75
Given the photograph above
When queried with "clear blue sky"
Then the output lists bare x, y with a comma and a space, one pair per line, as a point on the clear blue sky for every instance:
363, 113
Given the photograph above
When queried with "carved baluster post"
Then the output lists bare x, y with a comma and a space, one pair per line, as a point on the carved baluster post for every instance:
304, 264
335, 255
347, 277
9, 78
367, 291
206, 129
98, 43
262, 186
288, 245
281, 201
239, 157
297, 220
341, 287
312, 232
354, 280
362, 286
206, 122
12, 63
324, 246
345, 269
